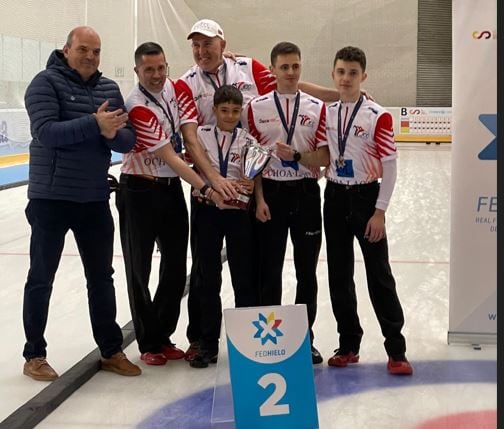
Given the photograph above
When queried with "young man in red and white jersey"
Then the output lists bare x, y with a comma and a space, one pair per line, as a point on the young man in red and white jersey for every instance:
223, 143
288, 196
152, 208
363, 150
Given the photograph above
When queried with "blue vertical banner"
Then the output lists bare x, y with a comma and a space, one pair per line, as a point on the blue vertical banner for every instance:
271, 368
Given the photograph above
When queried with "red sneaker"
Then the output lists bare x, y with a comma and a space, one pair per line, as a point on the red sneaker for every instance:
153, 358
399, 367
173, 353
192, 351
342, 359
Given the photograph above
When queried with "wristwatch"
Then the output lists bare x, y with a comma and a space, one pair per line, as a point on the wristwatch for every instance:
204, 189
297, 156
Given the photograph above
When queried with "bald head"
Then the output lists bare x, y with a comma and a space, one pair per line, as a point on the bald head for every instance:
79, 31
82, 51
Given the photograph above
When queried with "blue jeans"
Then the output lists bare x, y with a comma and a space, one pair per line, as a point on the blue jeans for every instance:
93, 229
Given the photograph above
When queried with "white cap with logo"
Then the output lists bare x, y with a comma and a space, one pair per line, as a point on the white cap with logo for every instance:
208, 28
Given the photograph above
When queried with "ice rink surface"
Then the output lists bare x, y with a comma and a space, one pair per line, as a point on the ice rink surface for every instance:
453, 386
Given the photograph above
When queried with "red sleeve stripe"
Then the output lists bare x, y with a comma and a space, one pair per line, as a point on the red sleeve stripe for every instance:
321, 130
313, 143
384, 135
148, 129
252, 127
187, 107
263, 78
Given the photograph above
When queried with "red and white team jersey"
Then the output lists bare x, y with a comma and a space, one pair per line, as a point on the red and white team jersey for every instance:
153, 130
266, 126
224, 140
196, 88
370, 142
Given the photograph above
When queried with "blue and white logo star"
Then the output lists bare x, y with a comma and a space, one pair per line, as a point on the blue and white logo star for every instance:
267, 328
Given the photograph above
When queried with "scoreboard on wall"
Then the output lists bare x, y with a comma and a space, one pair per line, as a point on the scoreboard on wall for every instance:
422, 124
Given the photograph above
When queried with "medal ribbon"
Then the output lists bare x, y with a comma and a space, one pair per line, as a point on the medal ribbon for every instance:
207, 75
342, 139
167, 114
223, 162
289, 130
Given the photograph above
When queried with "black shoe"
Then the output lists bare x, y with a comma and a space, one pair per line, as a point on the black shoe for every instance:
202, 359
316, 357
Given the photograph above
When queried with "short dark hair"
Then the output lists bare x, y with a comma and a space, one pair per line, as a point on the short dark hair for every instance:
228, 94
351, 53
284, 48
147, 48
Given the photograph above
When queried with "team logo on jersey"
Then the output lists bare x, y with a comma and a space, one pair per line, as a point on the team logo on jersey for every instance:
234, 158
306, 121
360, 132
243, 86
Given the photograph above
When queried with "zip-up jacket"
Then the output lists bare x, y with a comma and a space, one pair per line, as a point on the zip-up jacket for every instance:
69, 158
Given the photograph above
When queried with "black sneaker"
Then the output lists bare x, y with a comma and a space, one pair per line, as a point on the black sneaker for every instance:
203, 359
316, 357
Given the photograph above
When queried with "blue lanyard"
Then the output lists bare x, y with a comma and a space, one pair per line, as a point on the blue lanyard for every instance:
342, 139
223, 162
215, 87
288, 130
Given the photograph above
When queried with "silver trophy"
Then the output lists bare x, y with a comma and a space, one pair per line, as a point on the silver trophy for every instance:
254, 159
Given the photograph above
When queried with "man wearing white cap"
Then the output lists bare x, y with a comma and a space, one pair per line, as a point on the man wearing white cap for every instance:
196, 90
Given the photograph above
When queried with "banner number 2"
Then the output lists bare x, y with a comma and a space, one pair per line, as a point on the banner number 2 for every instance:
270, 407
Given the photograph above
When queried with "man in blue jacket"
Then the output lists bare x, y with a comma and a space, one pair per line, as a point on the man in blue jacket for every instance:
77, 117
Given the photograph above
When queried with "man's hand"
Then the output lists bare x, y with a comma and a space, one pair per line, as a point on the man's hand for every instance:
231, 55
224, 187
110, 122
375, 228
367, 95
284, 151
245, 185
214, 196
220, 202
262, 211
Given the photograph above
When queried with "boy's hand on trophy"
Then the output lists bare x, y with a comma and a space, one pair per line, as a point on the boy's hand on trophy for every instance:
245, 185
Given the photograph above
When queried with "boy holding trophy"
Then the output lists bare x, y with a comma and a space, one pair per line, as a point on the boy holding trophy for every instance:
226, 146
